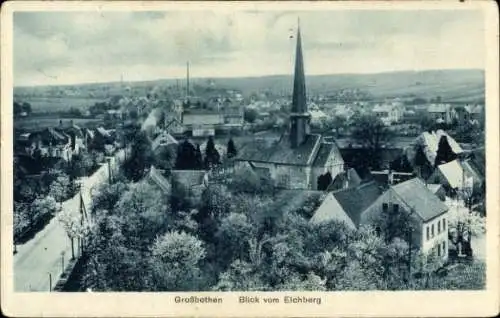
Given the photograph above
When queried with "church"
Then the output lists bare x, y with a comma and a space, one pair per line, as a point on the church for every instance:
299, 158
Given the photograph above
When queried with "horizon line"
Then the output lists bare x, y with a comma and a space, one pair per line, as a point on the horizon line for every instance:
246, 76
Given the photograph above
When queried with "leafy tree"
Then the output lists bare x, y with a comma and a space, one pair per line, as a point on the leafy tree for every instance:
186, 156
144, 210
198, 158
107, 195
21, 219
175, 262
141, 157
233, 236
231, 149
372, 134
212, 156
444, 153
42, 208
59, 188
73, 226
244, 180
241, 276
250, 115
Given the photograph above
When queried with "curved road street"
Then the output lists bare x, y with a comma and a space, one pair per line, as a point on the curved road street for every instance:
41, 258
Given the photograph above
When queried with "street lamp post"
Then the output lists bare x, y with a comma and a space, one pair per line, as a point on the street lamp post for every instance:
50, 282
109, 169
62, 262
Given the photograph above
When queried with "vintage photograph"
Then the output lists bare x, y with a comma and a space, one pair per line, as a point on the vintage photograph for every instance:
249, 150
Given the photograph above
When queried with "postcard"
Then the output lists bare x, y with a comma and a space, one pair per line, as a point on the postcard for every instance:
246, 159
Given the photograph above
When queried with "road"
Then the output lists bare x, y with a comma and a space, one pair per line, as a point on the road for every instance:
40, 260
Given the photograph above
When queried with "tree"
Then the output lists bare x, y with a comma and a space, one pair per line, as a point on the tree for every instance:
73, 226
233, 236
141, 157
250, 115
212, 156
59, 188
175, 261
231, 149
21, 219
42, 208
186, 156
372, 134
244, 180
444, 153
198, 159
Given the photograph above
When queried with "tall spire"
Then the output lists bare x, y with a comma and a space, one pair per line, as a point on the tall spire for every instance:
187, 80
299, 116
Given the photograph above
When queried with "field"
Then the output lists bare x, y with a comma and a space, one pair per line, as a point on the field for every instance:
56, 104
38, 123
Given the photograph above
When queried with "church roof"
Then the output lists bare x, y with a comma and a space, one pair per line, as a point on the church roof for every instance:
324, 153
280, 153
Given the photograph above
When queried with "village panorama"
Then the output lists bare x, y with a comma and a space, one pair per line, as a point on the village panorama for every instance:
296, 182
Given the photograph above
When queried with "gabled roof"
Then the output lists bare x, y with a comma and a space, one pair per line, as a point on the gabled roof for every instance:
159, 179
350, 176
453, 173
189, 178
280, 153
434, 187
418, 197
384, 108
163, 139
56, 135
324, 153
356, 200
103, 132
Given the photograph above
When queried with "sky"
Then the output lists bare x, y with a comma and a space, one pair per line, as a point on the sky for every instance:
57, 48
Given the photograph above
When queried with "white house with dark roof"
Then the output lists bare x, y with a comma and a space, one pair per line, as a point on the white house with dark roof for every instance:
347, 205
427, 214
298, 159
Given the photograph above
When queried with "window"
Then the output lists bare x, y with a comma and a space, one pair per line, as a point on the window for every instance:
378, 231
444, 248
432, 230
428, 233
439, 227
439, 249
395, 208
444, 224
385, 207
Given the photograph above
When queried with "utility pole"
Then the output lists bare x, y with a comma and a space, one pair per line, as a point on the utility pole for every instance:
187, 80
50, 282
109, 169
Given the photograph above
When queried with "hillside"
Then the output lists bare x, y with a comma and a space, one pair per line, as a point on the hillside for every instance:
450, 85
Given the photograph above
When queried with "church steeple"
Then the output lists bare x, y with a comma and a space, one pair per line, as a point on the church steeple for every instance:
299, 117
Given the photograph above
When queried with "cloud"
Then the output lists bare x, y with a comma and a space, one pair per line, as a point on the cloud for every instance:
72, 47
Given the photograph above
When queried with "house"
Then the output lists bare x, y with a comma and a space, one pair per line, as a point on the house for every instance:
475, 112
389, 177
443, 113
347, 205
299, 158
427, 145
49, 143
456, 176
427, 215
388, 113
194, 181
